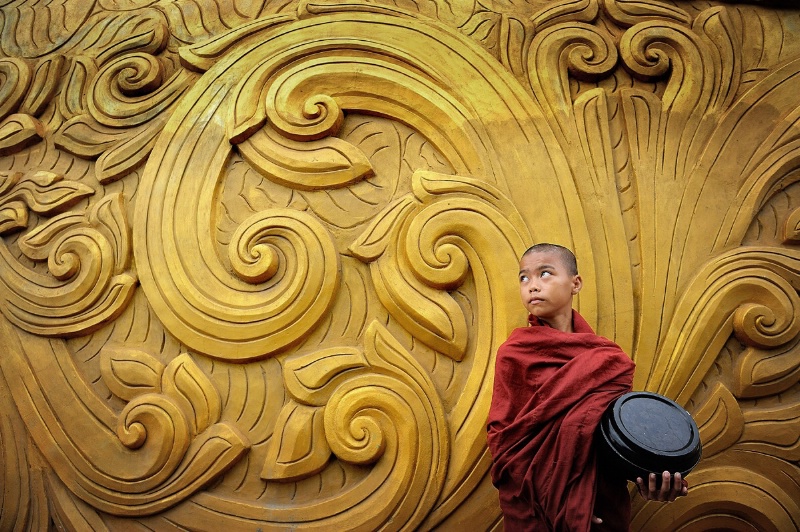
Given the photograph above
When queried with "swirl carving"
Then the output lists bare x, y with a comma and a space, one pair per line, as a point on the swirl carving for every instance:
749, 292
88, 256
578, 49
159, 450
130, 90
328, 203
286, 267
376, 406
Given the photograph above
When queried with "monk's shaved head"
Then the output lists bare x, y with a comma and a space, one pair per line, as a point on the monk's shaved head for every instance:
567, 257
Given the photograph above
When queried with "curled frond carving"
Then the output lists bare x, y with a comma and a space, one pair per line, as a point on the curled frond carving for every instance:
279, 93
771, 324
154, 425
579, 49
88, 281
130, 90
142, 461
417, 254
284, 267
749, 292
381, 409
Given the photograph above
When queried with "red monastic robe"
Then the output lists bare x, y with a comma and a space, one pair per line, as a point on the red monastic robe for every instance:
550, 391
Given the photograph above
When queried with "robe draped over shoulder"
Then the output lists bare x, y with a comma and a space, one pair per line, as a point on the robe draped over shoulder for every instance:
550, 391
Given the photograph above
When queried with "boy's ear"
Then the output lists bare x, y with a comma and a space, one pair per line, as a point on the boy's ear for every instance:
577, 284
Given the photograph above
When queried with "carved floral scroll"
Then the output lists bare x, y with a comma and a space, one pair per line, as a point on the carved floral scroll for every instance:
256, 258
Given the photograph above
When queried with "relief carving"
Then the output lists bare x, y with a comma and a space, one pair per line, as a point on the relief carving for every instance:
257, 259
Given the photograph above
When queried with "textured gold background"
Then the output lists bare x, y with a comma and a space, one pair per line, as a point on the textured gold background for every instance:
257, 257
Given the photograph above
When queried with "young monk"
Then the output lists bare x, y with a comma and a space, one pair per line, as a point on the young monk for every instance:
553, 381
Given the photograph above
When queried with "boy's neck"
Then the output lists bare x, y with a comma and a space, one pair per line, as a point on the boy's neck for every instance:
562, 322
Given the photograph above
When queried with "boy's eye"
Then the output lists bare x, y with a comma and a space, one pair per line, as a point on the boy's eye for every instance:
546, 273
523, 278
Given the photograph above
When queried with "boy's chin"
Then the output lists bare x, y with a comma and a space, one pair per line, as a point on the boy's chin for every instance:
538, 313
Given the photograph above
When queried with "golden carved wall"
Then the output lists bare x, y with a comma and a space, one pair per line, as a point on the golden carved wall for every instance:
257, 256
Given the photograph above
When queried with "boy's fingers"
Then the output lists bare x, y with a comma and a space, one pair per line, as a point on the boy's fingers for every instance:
640, 485
666, 486
677, 486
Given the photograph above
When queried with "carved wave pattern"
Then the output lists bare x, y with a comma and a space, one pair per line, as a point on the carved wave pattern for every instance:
256, 259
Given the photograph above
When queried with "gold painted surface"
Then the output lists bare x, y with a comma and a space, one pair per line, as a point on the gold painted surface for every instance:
257, 258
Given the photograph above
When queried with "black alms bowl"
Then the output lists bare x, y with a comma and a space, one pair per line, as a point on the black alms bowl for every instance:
644, 432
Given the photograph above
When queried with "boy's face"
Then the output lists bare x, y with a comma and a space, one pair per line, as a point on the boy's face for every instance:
546, 286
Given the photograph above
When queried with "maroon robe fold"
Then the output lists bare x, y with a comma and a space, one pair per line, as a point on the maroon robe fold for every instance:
550, 391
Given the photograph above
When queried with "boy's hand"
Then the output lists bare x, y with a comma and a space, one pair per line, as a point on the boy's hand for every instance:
669, 490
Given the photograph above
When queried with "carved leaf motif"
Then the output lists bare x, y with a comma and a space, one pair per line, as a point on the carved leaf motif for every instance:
43, 192
372, 243
83, 136
45, 82
431, 315
130, 372
773, 430
72, 100
791, 231
185, 383
311, 379
19, 131
130, 153
719, 420
13, 216
630, 12
571, 10
16, 76
298, 448
49, 193
761, 373
318, 164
